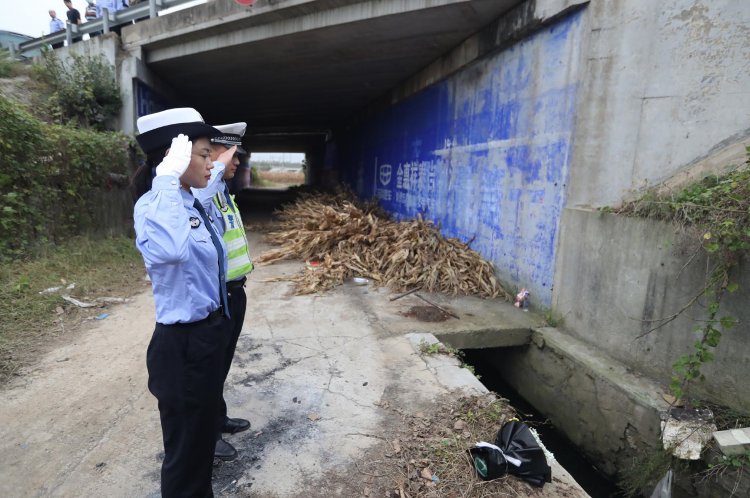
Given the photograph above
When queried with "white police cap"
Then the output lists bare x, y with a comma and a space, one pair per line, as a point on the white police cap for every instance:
157, 130
231, 134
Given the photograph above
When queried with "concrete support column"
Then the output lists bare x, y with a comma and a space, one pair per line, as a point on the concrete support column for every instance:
69, 33
151, 9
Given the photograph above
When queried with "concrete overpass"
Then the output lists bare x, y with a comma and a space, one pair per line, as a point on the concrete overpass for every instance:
293, 68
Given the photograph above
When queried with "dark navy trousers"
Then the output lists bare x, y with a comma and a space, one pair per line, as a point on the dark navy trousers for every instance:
237, 307
185, 373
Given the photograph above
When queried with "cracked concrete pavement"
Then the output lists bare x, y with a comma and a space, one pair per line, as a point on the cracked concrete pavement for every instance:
309, 373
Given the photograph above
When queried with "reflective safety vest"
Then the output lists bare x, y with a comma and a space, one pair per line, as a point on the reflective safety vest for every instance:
234, 237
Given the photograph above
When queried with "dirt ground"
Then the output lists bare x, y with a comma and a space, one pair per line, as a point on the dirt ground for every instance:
341, 400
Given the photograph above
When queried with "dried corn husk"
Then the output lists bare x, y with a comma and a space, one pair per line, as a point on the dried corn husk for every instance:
348, 241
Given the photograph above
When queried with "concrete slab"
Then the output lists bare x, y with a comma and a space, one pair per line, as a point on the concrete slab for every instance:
482, 323
733, 441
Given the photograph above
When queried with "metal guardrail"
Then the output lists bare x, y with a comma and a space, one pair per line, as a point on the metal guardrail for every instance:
109, 20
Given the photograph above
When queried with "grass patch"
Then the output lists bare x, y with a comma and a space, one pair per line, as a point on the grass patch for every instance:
110, 267
10, 68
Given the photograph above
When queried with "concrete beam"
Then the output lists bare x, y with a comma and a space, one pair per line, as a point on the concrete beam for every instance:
321, 17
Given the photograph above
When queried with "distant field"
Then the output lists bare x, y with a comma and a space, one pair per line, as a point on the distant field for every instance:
281, 178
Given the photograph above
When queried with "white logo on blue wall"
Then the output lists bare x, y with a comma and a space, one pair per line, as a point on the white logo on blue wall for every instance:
385, 174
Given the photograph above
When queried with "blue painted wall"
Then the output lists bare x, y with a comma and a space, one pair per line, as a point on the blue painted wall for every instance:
485, 154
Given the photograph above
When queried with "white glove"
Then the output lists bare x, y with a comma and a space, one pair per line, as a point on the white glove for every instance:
177, 159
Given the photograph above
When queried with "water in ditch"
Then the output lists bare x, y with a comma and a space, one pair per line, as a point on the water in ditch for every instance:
584, 472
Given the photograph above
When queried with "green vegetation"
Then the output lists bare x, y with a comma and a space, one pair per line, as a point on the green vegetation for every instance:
49, 173
717, 211
647, 467
256, 180
8, 67
440, 348
52, 182
82, 92
650, 464
97, 267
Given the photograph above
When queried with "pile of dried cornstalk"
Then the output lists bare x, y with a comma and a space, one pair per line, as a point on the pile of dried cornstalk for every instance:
343, 240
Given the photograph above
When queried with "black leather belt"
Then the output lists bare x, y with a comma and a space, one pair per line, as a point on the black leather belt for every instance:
215, 313
233, 284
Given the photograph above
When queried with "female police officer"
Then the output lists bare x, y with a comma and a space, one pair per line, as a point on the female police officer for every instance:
186, 260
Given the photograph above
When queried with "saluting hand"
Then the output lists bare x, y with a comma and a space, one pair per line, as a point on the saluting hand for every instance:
226, 156
177, 159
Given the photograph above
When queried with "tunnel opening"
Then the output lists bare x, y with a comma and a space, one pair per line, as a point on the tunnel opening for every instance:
585, 472
279, 170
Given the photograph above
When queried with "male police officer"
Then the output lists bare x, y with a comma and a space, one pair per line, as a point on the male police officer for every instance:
216, 197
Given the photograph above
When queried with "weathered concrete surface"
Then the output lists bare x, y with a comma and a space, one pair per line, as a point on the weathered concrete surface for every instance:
482, 323
597, 402
485, 153
617, 275
663, 83
308, 374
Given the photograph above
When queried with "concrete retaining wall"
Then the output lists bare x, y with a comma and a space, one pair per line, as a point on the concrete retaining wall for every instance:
484, 153
664, 84
617, 274
597, 403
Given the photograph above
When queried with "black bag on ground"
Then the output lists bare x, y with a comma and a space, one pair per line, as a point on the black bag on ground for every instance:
515, 452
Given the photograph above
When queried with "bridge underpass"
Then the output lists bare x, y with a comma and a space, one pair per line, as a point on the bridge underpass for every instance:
509, 124
297, 70
455, 110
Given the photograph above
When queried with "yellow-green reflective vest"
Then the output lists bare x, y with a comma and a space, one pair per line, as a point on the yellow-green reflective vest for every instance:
234, 237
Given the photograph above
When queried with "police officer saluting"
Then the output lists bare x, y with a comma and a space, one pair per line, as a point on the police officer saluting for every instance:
186, 260
217, 200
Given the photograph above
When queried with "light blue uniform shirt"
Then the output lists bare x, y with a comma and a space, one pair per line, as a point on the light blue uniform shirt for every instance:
180, 257
56, 25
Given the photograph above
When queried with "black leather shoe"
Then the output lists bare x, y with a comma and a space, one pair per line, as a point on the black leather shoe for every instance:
224, 451
235, 425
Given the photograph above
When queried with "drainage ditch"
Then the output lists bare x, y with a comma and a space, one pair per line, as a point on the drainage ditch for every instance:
584, 472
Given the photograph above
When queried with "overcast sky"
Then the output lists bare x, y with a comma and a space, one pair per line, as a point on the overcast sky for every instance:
284, 157
29, 17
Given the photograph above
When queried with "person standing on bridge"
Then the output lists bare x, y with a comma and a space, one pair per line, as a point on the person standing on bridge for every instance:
74, 17
92, 13
186, 260
55, 25
216, 199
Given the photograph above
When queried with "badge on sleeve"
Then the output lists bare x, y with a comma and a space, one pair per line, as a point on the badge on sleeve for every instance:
195, 222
